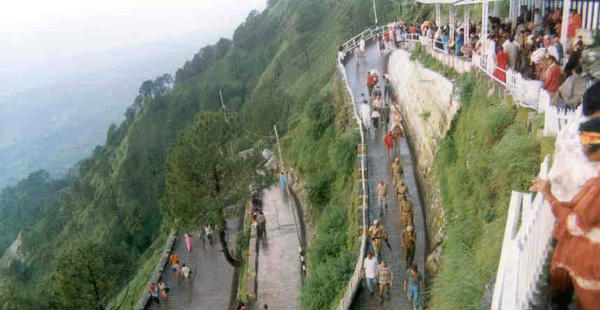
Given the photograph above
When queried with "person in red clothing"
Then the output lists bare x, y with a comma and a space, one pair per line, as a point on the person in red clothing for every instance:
574, 24
552, 77
388, 140
501, 62
370, 83
575, 260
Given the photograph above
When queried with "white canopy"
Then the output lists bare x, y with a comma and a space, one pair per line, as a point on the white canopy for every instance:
438, 1
454, 2
465, 2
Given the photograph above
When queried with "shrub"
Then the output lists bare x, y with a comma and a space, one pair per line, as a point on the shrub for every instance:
320, 115
329, 261
345, 150
319, 188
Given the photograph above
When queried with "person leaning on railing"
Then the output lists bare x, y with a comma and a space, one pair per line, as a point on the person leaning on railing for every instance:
575, 265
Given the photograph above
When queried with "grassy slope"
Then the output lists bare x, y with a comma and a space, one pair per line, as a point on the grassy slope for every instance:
487, 153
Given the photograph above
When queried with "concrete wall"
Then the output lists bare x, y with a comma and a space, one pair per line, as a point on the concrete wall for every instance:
428, 106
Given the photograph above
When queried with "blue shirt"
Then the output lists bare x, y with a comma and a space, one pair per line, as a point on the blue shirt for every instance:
282, 180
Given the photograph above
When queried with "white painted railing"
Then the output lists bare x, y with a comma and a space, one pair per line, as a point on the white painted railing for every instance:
370, 33
557, 118
354, 283
525, 92
525, 247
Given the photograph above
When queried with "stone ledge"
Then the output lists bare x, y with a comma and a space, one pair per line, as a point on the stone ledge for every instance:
160, 267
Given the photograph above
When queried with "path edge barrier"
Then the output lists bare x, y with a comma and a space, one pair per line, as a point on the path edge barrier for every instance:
354, 283
158, 270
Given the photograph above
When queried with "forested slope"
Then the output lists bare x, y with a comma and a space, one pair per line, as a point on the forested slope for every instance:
89, 239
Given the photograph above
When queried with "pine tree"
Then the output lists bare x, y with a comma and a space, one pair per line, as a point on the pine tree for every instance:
205, 175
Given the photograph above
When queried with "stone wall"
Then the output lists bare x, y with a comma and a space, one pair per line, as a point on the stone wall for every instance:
428, 106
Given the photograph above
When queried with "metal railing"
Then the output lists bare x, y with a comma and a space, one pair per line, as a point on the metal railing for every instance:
527, 237
368, 34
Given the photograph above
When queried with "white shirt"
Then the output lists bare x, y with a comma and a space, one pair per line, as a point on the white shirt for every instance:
361, 44
571, 169
554, 52
364, 110
185, 271
370, 266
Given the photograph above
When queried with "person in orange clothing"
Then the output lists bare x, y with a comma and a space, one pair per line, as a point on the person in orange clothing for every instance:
501, 62
574, 24
552, 77
577, 230
174, 258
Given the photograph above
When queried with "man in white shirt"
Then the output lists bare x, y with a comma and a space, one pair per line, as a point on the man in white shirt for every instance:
364, 111
370, 267
512, 49
362, 46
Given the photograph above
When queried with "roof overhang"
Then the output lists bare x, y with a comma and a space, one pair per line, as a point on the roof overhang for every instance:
454, 2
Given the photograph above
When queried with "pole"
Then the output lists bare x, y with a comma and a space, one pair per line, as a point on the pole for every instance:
224, 109
221, 96
375, 11
467, 23
438, 15
452, 22
291, 201
564, 27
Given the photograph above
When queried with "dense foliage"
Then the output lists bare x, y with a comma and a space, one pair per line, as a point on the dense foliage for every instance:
277, 69
487, 153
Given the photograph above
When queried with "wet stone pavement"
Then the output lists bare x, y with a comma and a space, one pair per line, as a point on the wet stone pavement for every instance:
211, 281
379, 167
279, 274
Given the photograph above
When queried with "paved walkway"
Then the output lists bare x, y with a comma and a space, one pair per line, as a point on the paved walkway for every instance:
212, 278
379, 167
279, 274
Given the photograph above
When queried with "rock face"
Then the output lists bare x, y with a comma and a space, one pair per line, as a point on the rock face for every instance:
428, 105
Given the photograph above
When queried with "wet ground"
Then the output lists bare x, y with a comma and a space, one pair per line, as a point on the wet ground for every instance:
279, 273
379, 167
210, 286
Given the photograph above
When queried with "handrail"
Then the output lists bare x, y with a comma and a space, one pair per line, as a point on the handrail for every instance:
368, 34
527, 236
354, 283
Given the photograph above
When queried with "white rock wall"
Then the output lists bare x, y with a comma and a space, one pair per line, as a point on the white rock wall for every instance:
422, 91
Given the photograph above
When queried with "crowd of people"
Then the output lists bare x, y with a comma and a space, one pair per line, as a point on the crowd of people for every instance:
531, 47
380, 116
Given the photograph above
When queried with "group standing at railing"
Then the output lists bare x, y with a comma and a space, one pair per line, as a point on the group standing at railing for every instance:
525, 57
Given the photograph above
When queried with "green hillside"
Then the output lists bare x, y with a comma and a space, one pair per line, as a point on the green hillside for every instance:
277, 69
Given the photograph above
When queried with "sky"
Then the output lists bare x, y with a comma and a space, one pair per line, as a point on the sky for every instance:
68, 69
42, 36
